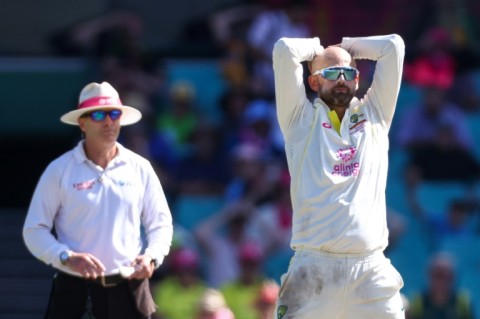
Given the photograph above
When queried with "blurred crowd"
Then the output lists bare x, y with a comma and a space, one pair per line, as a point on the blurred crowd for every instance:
225, 173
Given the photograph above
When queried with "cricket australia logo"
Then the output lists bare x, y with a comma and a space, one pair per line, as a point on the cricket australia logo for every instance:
281, 311
358, 121
354, 118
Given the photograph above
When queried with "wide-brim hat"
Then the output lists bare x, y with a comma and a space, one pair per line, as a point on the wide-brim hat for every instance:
97, 96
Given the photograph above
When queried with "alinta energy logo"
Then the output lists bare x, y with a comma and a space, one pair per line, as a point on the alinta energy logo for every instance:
347, 167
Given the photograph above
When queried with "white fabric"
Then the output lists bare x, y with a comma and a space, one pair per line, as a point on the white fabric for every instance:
338, 196
103, 218
325, 286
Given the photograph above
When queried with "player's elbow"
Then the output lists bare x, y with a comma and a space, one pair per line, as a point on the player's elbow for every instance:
397, 41
279, 46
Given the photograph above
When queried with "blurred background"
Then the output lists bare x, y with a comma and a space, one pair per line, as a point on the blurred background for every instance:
200, 72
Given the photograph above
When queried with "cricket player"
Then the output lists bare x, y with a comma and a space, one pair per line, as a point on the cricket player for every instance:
337, 153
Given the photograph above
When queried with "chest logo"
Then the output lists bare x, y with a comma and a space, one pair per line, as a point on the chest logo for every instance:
326, 125
346, 154
281, 311
84, 185
358, 121
348, 166
354, 118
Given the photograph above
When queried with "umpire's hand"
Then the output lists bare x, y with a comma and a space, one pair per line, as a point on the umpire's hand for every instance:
144, 267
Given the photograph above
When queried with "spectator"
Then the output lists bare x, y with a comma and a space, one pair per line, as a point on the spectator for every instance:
284, 18
212, 305
443, 160
436, 137
433, 62
441, 299
178, 293
272, 223
441, 59
250, 179
229, 27
266, 300
220, 238
113, 43
178, 118
421, 123
261, 128
241, 294
454, 223
274, 217
232, 105
202, 170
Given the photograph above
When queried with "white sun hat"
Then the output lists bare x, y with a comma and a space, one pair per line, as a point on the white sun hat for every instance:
95, 96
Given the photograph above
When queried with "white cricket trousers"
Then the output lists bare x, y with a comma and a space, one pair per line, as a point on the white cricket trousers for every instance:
321, 285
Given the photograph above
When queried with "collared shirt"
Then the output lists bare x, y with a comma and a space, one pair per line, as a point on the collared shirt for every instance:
338, 177
108, 213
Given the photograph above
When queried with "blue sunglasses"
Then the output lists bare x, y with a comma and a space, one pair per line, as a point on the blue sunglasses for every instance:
333, 73
101, 115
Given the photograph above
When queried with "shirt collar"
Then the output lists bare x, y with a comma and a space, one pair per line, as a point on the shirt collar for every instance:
80, 156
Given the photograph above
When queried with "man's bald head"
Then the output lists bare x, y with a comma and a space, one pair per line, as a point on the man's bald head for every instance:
337, 94
331, 56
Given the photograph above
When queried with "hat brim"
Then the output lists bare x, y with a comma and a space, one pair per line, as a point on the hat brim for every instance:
129, 116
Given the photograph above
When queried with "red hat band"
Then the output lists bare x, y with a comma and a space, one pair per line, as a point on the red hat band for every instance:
100, 101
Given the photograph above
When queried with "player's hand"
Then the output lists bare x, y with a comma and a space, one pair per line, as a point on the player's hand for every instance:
143, 267
86, 264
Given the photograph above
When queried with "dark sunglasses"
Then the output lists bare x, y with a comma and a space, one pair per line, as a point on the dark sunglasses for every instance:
333, 73
101, 115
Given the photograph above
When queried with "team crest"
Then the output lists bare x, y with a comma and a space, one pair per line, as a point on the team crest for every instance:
357, 122
354, 118
281, 311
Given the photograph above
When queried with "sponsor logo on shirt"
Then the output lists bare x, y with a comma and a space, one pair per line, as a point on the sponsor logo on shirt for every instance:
346, 170
84, 185
124, 183
347, 167
89, 184
346, 154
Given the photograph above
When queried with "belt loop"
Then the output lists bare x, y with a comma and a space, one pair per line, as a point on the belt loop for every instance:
88, 305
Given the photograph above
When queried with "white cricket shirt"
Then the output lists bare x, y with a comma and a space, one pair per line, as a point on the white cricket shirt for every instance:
338, 179
98, 211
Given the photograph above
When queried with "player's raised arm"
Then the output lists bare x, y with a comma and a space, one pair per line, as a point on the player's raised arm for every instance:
288, 55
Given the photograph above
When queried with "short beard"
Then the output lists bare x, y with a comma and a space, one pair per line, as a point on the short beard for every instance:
337, 99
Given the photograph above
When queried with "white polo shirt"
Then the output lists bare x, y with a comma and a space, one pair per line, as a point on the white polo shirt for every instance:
338, 178
98, 211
